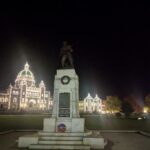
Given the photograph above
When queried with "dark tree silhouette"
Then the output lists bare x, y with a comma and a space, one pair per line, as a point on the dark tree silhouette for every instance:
127, 108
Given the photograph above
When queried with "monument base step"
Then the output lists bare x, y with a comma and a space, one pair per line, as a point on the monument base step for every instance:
82, 134
70, 147
62, 138
59, 142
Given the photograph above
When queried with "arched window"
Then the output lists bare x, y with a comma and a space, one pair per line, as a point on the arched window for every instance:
14, 100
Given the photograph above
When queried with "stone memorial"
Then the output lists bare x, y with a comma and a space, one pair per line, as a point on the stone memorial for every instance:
65, 129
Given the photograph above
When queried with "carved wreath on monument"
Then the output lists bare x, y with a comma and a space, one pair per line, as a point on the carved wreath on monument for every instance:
65, 79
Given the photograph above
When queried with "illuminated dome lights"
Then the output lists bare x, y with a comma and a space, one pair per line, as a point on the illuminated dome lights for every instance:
25, 75
96, 98
89, 96
42, 84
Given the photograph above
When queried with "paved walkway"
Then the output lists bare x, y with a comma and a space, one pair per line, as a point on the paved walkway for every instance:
116, 141
8, 141
126, 141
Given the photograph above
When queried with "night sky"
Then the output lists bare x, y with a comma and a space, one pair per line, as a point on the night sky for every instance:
111, 44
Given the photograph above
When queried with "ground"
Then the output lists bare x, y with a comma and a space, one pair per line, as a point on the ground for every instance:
116, 141
126, 141
8, 141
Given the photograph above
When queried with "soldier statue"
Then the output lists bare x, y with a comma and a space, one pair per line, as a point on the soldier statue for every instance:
66, 57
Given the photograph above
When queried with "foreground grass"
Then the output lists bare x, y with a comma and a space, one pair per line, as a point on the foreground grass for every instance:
94, 122
109, 123
9, 122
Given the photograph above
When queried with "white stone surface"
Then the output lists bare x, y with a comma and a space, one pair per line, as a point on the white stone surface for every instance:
61, 142
49, 124
66, 72
72, 87
72, 125
78, 124
62, 138
94, 142
65, 134
25, 141
73, 147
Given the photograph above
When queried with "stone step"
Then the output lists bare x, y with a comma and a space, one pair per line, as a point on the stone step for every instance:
70, 147
61, 142
62, 138
64, 134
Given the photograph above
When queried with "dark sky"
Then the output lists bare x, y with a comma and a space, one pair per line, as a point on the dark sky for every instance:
111, 44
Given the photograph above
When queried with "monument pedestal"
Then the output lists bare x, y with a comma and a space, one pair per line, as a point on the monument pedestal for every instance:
65, 130
72, 125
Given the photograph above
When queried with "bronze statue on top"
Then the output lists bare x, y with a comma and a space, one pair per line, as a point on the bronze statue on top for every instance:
66, 57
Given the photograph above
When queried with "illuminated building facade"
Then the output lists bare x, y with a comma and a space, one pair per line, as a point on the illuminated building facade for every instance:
25, 95
90, 104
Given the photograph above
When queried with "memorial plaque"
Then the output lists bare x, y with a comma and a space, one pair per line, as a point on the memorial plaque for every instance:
64, 105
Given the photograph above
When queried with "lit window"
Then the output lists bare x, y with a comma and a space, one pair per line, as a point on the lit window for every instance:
15, 92
15, 100
6, 99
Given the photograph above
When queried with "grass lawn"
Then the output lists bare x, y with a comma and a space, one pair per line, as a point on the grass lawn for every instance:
8, 122
94, 122
109, 123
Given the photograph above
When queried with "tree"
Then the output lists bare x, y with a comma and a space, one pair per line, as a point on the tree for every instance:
112, 104
127, 108
134, 103
147, 102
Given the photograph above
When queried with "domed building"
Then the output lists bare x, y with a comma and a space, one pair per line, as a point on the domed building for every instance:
25, 76
25, 95
91, 104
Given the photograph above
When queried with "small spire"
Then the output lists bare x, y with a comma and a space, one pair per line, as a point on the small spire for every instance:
10, 85
42, 83
26, 67
96, 96
89, 96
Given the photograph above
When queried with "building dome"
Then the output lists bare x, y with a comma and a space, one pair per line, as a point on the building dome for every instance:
25, 76
89, 96
97, 99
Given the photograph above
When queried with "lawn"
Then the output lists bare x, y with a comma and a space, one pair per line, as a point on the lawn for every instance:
94, 122
112, 123
8, 122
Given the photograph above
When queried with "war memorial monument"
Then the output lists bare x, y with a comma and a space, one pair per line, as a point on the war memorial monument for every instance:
65, 129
